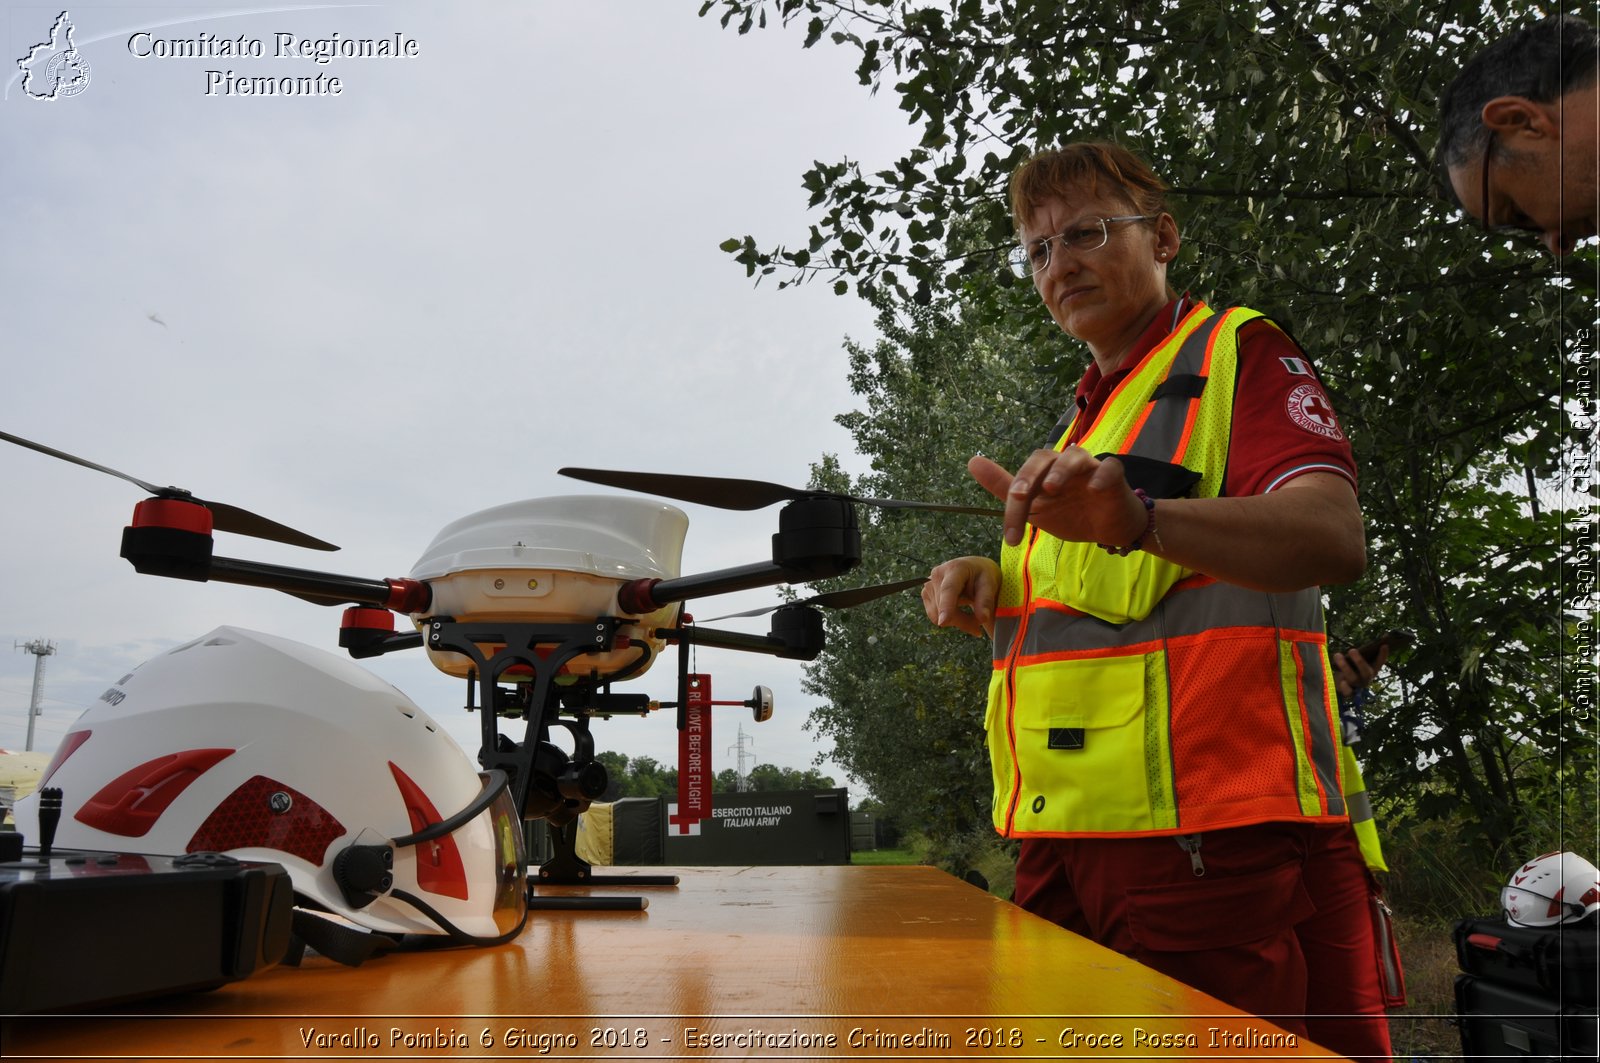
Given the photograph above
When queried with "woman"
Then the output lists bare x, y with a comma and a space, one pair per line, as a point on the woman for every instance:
1162, 724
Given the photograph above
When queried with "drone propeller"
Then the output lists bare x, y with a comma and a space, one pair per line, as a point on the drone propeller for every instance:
835, 599
726, 493
223, 516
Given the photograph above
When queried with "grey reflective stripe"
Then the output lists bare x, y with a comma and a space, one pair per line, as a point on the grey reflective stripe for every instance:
1394, 981
1005, 633
1192, 611
1324, 751
1359, 806
1161, 432
1062, 427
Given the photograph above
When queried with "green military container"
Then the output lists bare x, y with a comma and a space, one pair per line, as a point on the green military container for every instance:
771, 827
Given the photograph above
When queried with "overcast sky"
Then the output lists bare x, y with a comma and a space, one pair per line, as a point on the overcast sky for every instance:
369, 314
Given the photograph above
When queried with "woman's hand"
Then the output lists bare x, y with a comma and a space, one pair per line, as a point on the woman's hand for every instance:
1070, 494
1351, 670
1306, 533
961, 593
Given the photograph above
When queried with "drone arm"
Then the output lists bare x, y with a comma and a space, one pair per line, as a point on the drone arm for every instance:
648, 595
816, 538
400, 595
797, 635
366, 631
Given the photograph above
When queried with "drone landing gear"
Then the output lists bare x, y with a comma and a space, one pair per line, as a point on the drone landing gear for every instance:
566, 868
545, 782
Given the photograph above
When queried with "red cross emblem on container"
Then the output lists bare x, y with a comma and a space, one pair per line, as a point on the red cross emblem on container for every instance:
1308, 407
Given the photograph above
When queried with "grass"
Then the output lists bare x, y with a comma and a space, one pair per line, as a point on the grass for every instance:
884, 857
1423, 1027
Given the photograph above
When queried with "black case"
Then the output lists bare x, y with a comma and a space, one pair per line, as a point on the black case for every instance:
1555, 962
1501, 1022
84, 929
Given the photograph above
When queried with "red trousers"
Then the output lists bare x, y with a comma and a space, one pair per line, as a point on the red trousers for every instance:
1279, 925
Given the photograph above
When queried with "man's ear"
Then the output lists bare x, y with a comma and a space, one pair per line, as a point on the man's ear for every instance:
1518, 116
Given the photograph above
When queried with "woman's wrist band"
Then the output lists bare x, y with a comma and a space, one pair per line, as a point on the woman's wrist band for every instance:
1149, 528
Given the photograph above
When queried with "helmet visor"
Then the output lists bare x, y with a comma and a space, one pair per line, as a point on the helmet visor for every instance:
498, 843
511, 861
1527, 907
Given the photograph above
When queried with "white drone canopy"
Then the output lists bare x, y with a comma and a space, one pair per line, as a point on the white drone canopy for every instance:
614, 538
558, 560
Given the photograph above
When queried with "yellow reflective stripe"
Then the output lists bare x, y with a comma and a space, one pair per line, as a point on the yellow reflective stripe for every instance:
1209, 353
1371, 848
1207, 447
1317, 686
1158, 780
1125, 409
1009, 681
1359, 804
1294, 712
1001, 767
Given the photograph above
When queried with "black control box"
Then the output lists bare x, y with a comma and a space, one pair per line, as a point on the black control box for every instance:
81, 929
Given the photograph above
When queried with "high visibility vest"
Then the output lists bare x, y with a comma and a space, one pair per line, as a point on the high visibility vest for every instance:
1131, 696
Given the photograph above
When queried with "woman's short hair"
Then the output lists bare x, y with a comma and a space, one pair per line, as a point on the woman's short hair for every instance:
1085, 168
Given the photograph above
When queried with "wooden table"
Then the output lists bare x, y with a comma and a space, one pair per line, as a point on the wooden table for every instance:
753, 963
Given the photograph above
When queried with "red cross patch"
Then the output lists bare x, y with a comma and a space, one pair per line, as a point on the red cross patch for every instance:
1308, 407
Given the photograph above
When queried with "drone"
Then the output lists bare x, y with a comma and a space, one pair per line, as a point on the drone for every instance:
541, 605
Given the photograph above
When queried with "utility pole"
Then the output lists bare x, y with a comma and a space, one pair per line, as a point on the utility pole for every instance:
745, 756
40, 649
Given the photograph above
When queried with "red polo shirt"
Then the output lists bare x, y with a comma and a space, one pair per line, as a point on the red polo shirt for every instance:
1283, 424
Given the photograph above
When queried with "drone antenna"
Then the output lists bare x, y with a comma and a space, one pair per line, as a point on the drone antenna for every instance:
40, 648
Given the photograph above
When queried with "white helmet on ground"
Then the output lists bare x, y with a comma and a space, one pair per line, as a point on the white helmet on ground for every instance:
269, 750
1551, 888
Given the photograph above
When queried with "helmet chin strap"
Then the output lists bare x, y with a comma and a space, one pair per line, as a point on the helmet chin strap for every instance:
453, 932
352, 946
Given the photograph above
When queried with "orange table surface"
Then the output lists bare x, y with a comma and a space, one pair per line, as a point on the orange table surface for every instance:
745, 962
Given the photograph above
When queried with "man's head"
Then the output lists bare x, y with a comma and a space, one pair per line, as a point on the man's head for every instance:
1517, 143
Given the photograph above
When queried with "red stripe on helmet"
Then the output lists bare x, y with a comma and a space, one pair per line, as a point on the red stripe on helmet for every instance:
69, 745
439, 867
130, 804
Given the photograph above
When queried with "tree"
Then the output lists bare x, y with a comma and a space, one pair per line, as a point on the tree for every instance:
767, 777
647, 777
1296, 137
903, 702
638, 777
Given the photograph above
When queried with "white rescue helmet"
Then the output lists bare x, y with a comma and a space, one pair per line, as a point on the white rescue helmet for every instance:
266, 749
1551, 888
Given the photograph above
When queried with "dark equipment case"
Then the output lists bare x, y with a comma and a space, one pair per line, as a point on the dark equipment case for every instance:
1557, 962
82, 930
1498, 1022
1528, 992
